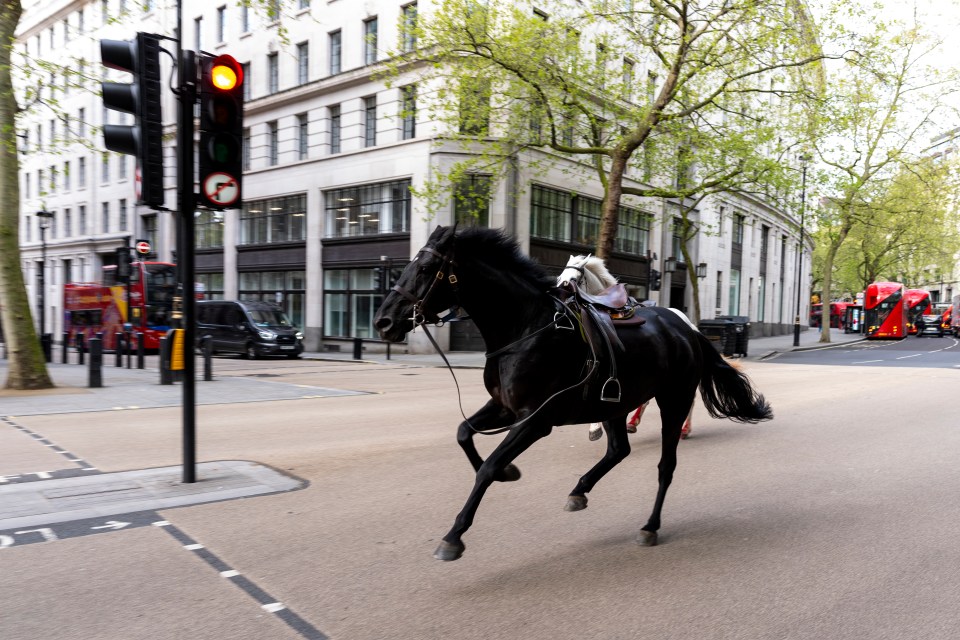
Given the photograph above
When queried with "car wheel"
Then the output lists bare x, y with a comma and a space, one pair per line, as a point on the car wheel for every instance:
251, 352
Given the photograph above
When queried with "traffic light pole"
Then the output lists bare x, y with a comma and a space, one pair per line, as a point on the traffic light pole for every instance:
185, 259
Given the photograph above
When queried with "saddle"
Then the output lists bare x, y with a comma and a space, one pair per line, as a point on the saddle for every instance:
600, 314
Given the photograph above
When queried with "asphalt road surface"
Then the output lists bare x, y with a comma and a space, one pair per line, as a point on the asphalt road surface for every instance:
836, 520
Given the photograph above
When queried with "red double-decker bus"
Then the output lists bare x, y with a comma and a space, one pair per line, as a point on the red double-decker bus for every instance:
885, 310
838, 312
92, 307
918, 305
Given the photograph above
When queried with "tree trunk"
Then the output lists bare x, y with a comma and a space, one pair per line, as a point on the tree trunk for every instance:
610, 213
828, 259
26, 367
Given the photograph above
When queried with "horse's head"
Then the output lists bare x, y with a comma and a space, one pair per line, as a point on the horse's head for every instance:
423, 289
588, 272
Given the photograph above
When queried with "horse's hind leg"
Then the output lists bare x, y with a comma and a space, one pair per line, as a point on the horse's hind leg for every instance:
490, 416
618, 448
516, 442
673, 413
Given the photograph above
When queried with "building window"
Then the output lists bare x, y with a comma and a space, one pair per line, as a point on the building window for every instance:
370, 41
123, 215
197, 30
211, 284
285, 288
633, 232
105, 217
67, 270
368, 210
66, 176
208, 227
303, 137
122, 168
221, 24
717, 299
738, 221
550, 214
370, 121
246, 149
81, 172
733, 302
335, 129
408, 114
471, 201
273, 72
408, 26
304, 4
247, 81
274, 220
335, 62
104, 167
303, 62
351, 297
148, 228
244, 18
82, 228
274, 134
67, 225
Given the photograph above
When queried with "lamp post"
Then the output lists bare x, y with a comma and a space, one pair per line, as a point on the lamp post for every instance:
44, 220
803, 209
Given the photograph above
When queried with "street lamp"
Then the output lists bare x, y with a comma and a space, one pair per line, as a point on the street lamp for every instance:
702, 270
803, 209
44, 220
670, 265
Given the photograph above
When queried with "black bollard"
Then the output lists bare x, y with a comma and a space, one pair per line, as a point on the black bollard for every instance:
129, 345
46, 344
65, 344
140, 353
207, 358
81, 349
166, 376
358, 348
118, 349
96, 363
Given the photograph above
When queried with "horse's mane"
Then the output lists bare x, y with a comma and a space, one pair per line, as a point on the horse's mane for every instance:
501, 252
595, 277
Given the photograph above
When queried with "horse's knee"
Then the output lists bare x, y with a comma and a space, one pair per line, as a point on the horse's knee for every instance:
464, 433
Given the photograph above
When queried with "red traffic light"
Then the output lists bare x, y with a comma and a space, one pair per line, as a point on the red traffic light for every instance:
226, 74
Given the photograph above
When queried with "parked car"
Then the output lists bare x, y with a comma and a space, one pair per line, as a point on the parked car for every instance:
250, 328
931, 326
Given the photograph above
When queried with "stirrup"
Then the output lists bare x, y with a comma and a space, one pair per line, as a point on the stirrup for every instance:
604, 397
562, 321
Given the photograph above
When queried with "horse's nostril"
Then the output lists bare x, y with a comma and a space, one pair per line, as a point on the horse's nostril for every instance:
383, 323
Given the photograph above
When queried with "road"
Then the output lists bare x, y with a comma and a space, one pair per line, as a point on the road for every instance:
835, 520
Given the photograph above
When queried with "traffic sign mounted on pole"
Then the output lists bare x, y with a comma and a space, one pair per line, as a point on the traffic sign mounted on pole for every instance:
142, 247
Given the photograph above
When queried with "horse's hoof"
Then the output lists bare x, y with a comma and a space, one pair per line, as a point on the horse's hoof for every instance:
447, 551
647, 538
575, 503
510, 473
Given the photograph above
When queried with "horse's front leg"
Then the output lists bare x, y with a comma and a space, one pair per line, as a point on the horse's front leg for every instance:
618, 448
516, 442
490, 416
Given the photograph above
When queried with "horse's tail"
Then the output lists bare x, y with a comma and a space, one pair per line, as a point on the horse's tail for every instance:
726, 391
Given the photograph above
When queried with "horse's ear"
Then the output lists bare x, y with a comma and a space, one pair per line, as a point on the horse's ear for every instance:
443, 234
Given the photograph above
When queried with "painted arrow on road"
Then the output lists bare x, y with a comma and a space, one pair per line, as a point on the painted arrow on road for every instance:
113, 524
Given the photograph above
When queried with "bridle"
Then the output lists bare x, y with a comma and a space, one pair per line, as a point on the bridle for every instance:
421, 317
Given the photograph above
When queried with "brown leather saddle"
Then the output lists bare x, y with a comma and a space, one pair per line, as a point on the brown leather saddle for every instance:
600, 315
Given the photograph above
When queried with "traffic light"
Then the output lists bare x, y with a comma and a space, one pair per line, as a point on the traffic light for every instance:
654, 280
124, 263
143, 139
221, 131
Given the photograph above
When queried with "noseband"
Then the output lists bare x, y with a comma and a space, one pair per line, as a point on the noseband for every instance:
420, 316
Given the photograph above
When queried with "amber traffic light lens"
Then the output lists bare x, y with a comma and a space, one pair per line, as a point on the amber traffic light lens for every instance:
224, 77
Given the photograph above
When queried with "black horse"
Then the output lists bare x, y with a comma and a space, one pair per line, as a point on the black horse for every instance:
540, 371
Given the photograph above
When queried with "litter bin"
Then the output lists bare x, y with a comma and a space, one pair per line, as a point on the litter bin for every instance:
721, 334
740, 325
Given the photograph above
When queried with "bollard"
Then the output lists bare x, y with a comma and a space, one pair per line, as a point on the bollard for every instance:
358, 348
80, 348
95, 378
166, 376
388, 351
118, 349
140, 361
129, 345
207, 358
65, 344
46, 344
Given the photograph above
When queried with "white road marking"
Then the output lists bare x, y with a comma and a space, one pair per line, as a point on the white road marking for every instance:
230, 573
273, 607
192, 547
910, 356
867, 361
